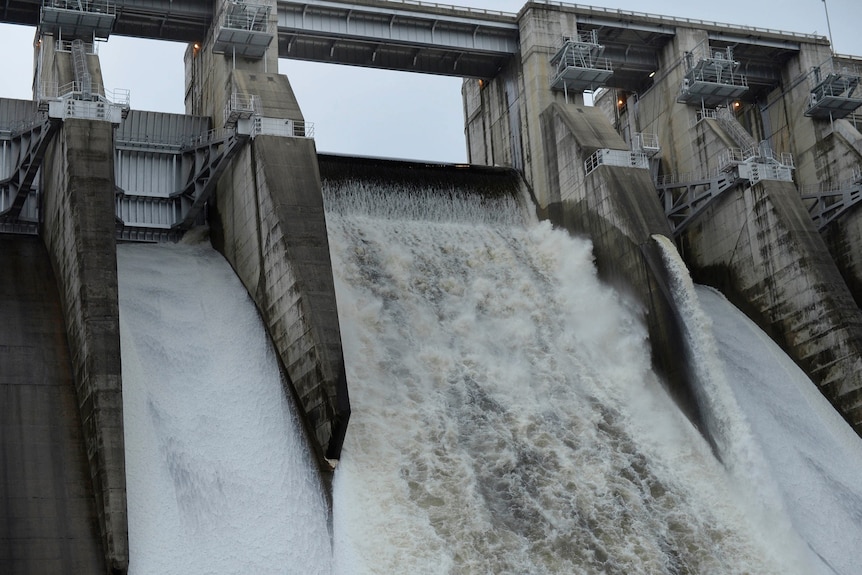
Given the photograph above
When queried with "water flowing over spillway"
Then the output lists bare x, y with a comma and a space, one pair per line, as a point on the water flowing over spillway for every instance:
219, 478
813, 455
505, 417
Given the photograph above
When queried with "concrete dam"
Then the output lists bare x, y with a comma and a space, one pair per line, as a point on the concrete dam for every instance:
724, 155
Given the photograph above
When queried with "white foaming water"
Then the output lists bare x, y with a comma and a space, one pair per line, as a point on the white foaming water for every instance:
504, 415
814, 456
727, 424
219, 476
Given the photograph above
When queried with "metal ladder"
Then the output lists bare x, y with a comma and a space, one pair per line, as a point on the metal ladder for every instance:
82, 73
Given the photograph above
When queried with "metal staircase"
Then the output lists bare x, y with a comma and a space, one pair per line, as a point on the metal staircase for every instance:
685, 197
82, 73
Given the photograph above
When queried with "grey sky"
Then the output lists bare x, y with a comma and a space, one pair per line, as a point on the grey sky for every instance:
379, 113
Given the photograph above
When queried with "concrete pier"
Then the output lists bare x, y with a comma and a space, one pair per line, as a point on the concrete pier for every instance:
517, 120
269, 223
78, 229
616, 207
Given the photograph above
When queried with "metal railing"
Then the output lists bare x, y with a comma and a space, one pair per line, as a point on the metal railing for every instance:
51, 91
704, 114
205, 139
11, 129
61, 45
436, 5
249, 16
678, 20
834, 66
97, 6
729, 122
282, 127
619, 158
241, 106
645, 141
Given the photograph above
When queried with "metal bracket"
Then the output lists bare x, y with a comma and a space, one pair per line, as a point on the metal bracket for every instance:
32, 143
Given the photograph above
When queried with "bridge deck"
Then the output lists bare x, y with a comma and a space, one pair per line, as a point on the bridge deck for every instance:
440, 39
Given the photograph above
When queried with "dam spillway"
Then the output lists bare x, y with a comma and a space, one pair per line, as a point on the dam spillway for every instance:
80, 169
505, 413
221, 477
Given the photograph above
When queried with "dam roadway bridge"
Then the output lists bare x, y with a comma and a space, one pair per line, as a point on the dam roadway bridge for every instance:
755, 117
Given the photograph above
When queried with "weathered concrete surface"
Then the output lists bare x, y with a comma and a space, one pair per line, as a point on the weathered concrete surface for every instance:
843, 237
269, 223
502, 125
618, 209
78, 208
271, 228
759, 246
49, 524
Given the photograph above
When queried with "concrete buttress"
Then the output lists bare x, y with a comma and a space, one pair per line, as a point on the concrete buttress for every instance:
269, 223
78, 230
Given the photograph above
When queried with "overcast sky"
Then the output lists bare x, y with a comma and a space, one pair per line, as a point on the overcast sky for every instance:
399, 115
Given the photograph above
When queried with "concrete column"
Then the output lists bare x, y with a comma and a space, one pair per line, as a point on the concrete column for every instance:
502, 113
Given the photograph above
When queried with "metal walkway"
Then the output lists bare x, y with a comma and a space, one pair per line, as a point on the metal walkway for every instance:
684, 198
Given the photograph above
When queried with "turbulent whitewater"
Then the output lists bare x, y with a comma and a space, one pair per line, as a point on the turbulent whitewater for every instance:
219, 478
505, 417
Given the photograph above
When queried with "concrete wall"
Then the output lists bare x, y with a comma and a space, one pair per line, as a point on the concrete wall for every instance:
78, 192
50, 525
618, 209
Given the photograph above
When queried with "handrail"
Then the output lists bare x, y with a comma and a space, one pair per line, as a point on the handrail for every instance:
697, 21
97, 6
436, 5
